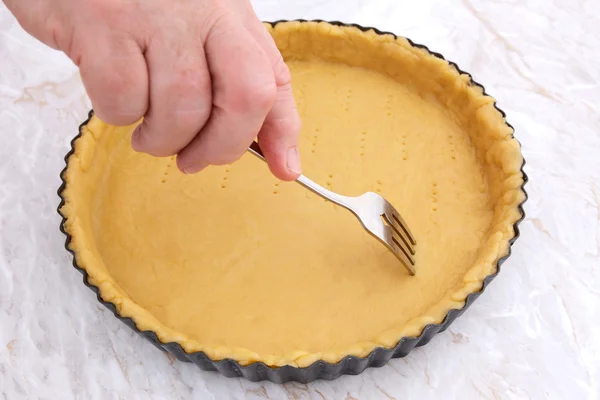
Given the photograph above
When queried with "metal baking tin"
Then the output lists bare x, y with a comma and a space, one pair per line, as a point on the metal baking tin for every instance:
350, 365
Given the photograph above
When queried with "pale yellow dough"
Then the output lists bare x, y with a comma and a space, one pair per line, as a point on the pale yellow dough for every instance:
233, 263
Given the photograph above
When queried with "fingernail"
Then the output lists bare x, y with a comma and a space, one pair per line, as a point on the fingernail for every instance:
293, 160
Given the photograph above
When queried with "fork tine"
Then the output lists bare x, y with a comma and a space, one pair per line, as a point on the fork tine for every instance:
400, 228
408, 252
405, 258
396, 215
400, 235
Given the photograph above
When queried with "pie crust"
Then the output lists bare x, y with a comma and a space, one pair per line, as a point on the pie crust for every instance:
236, 265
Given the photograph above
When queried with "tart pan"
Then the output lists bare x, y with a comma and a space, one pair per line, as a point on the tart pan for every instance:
349, 365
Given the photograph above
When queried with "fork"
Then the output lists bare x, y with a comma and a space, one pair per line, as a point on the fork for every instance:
375, 214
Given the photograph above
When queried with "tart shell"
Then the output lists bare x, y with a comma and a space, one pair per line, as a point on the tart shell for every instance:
259, 371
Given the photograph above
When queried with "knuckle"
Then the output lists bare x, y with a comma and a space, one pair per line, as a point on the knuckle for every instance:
289, 125
56, 32
282, 72
263, 95
294, 124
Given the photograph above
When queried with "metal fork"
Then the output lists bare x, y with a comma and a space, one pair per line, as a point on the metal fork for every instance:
375, 213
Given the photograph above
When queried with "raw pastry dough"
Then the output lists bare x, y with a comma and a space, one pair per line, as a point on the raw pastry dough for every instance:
233, 263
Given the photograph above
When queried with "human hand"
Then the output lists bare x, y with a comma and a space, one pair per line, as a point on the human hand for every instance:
205, 75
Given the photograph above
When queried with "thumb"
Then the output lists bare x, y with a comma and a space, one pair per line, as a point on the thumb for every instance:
278, 137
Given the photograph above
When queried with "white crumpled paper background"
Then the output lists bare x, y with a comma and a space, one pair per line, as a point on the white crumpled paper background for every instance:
534, 335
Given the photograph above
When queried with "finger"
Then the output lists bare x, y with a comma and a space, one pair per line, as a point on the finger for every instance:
244, 91
41, 21
278, 137
116, 79
180, 97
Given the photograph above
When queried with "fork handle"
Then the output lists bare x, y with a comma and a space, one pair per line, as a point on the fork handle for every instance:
344, 201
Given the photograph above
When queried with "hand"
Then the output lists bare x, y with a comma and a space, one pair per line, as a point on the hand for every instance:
205, 75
